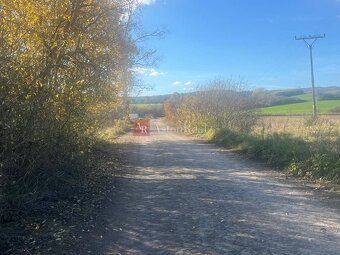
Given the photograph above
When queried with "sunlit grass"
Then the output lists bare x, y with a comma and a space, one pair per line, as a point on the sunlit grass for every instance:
143, 106
300, 108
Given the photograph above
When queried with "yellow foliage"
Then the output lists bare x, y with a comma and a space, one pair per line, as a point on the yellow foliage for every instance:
63, 69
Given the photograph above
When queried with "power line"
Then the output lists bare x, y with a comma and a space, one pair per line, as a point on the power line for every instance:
310, 46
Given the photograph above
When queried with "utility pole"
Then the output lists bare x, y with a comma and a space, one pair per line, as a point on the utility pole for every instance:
310, 47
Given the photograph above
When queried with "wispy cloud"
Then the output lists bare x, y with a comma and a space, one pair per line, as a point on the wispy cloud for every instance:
155, 73
146, 2
176, 83
147, 71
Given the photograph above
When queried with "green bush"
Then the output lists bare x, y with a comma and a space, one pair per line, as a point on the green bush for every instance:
278, 149
210, 134
299, 157
318, 165
230, 139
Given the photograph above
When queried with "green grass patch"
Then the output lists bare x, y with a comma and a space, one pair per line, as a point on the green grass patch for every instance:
300, 108
295, 155
146, 106
306, 97
323, 106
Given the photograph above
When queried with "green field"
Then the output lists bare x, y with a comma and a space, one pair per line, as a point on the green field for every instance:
148, 110
146, 106
306, 97
301, 108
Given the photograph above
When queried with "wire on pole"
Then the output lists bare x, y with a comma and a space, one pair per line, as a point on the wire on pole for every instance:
310, 47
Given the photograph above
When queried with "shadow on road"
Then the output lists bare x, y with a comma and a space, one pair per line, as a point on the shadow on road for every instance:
185, 197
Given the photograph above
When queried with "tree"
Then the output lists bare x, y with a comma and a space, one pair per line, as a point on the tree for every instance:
64, 68
219, 104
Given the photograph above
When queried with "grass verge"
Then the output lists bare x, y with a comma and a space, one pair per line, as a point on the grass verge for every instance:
315, 160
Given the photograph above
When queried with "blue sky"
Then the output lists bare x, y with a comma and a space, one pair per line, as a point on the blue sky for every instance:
248, 39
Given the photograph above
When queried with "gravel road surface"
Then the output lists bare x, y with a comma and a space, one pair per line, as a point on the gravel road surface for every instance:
185, 196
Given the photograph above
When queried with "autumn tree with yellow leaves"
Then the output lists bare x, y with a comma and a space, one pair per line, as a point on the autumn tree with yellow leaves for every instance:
64, 69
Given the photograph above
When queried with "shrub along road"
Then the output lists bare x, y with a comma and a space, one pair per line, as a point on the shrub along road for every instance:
185, 196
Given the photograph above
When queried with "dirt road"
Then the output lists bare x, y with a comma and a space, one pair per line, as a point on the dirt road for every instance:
185, 196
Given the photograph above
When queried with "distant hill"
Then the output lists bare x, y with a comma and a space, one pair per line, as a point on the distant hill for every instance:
160, 99
261, 97
328, 101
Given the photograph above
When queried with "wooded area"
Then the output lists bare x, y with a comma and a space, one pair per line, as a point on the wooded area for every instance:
65, 73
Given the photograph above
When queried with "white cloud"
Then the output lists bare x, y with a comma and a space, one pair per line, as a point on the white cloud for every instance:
146, 2
188, 83
147, 71
176, 83
133, 5
139, 70
155, 73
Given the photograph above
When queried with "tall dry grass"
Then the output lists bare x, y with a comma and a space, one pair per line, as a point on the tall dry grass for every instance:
325, 127
302, 146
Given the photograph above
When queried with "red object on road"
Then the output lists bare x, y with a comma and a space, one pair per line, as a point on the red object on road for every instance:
141, 127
